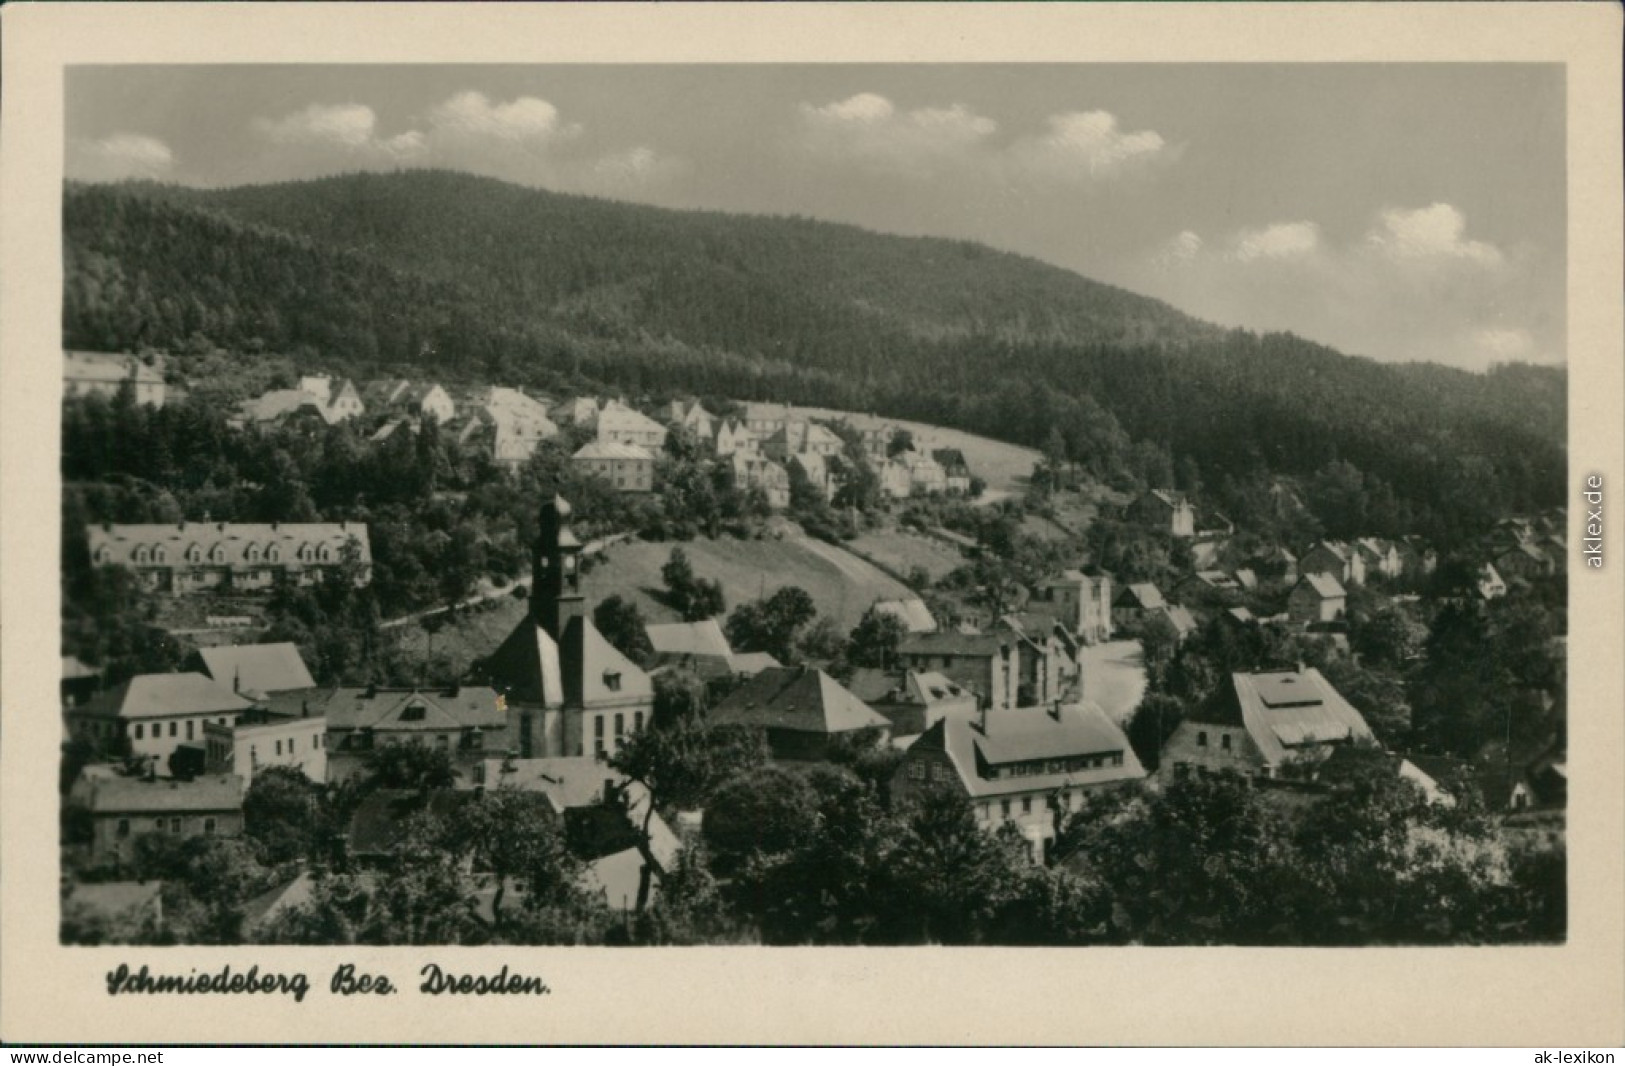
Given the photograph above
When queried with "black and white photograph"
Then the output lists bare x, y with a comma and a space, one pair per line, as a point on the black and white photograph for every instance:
790, 505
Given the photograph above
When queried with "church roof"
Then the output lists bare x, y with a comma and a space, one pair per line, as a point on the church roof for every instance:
581, 669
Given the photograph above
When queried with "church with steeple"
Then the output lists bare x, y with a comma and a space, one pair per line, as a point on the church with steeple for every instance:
568, 690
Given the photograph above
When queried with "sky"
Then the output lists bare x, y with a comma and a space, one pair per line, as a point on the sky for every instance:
1397, 211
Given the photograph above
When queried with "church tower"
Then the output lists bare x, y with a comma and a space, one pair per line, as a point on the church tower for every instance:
555, 591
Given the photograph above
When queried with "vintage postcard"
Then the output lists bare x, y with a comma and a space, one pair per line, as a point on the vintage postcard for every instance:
818, 524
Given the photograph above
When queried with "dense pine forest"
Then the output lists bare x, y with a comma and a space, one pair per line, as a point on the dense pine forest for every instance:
461, 278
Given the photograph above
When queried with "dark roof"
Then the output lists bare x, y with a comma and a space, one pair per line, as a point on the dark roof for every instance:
113, 794
409, 708
1140, 594
976, 645
798, 698
582, 669
1028, 734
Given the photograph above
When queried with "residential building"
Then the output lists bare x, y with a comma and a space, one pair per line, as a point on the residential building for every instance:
766, 419
617, 423
1276, 564
191, 556
121, 808
260, 739
428, 400
1489, 583
1134, 601
629, 467
699, 647
1316, 598
261, 669
753, 471
1004, 669
1380, 556
568, 690
467, 722
341, 401
815, 469
1180, 618
1336, 558
911, 700
799, 436
507, 421
1524, 562
926, 476
732, 436
281, 405
896, 482
954, 467
1080, 602
1264, 724
154, 714
581, 411
1023, 767
801, 709
1166, 511
692, 416
105, 373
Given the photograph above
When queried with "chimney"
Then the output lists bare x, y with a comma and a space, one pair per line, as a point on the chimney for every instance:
372, 691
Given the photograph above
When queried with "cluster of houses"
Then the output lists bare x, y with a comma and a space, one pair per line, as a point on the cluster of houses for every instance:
185, 557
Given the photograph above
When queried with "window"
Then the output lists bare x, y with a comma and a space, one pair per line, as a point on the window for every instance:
172, 728
612, 681
174, 825
1026, 805
252, 553
273, 554
188, 729
325, 553
620, 726
598, 726
217, 554
279, 747
315, 742
443, 742
1201, 738
413, 713
194, 554
160, 554
253, 755
917, 771
208, 825
123, 827
637, 721
1004, 808
138, 730
1224, 741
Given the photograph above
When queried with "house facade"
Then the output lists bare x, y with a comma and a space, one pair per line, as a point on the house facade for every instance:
258, 741
629, 467
1021, 767
754, 471
1316, 598
617, 423
467, 722
120, 809
1263, 724
1135, 602
154, 714
1336, 558
1166, 511
1004, 669
193, 556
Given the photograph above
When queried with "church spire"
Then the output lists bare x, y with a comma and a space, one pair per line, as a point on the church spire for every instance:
555, 594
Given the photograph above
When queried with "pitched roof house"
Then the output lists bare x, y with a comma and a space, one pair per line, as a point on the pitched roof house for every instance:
1262, 724
620, 424
1020, 766
244, 556
800, 708
257, 668
122, 808
1316, 598
696, 646
464, 721
154, 714
911, 700
1334, 557
84, 373
1164, 510
569, 690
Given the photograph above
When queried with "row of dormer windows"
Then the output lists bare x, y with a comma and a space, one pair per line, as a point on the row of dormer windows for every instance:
158, 555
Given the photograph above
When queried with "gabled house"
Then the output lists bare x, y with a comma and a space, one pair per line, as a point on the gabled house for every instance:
617, 423
281, 405
1275, 564
926, 476
1134, 602
385, 394
154, 714
1488, 584
581, 411
895, 480
911, 700
1081, 602
1005, 668
1524, 562
765, 419
801, 709
264, 669
1380, 556
121, 808
815, 469
732, 436
1207, 588
628, 467
1022, 767
800, 436
1263, 724
699, 647
750, 471
1316, 598
954, 468
428, 400
467, 722
1334, 557
568, 690
692, 416
1166, 511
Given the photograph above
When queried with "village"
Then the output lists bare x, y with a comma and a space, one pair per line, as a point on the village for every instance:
1027, 688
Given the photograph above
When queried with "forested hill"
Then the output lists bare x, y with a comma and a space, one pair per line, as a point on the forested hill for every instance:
466, 278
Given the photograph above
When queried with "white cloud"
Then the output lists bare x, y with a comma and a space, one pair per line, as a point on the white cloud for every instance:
1089, 143
524, 120
1429, 233
119, 157
1282, 240
349, 125
868, 129
1411, 286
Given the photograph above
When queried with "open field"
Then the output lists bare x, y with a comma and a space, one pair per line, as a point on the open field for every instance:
842, 585
902, 551
1005, 467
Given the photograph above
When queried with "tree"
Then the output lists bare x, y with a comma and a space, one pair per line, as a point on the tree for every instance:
772, 624
766, 811
901, 441
410, 766
1154, 721
948, 876
875, 639
705, 600
279, 813
515, 836
622, 624
678, 574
